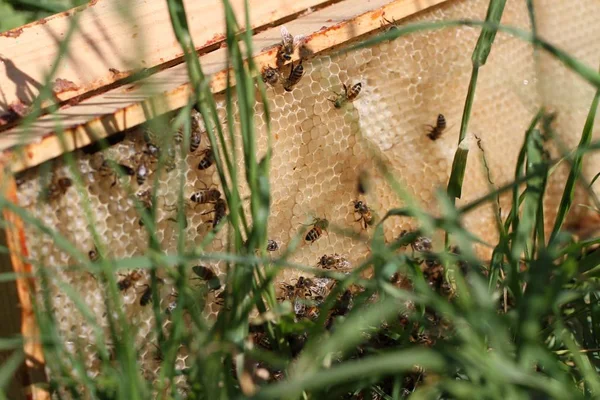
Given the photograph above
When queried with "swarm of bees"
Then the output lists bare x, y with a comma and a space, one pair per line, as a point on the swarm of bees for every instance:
286, 49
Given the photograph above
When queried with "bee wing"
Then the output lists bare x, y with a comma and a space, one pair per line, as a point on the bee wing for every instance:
298, 39
286, 36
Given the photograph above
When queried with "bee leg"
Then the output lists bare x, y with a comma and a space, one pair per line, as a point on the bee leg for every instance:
207, 212
114, 182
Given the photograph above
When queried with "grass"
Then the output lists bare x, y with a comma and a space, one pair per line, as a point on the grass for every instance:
445, 324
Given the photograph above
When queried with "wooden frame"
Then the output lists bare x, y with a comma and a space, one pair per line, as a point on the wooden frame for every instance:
124, 106
105, 44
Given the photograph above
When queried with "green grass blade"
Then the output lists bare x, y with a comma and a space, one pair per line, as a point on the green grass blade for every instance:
569, 192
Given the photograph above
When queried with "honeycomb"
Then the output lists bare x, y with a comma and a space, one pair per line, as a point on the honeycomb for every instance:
320, 150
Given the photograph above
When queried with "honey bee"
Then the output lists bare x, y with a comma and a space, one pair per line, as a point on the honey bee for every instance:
311, 312
195, 140
366, 217
109, 168
393, 24
421, 244
436, 131
146, 296
220, 211
129, 280
344, 304
145, 198
93, 254
296, 74
334, 261
205, 196
195, 131
348, 95
207, 160
208, 275
322, 286
57, 188
272, 245
318, 226
288, 43
142, 171
171, 307
270, 75
220, 298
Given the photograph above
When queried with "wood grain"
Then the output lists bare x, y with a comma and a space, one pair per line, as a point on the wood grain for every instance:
114, 39
131, 105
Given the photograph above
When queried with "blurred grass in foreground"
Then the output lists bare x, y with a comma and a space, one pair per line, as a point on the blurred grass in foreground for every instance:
444, 324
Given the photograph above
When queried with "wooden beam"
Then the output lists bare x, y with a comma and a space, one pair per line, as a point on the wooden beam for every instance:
114, 39
33, 374
129, 106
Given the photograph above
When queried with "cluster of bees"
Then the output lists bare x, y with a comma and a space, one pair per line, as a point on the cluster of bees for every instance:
289, 43
140, 166
306, 294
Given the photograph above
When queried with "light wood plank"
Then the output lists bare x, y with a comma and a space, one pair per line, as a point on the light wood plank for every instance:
129, 106
114, 39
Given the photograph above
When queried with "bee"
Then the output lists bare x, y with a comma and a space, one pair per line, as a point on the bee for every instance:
272, 245
334, 261
93, 254
195, 132
152, 150
129, 280
220, 298
208, 275
57, 188
295, 74
436, 131
322, 286
288, 42
318, 226
208, 158
205, 196
363, 185
145, 198
343, 305
109, 168
220, 211
392, 23
195, 141
270, 75
170, 159
349, 94
171, 307
365, 214
146, 296
151, 137
421, 244
142, 171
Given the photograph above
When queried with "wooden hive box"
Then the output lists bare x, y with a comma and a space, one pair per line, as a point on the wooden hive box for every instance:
125, 68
